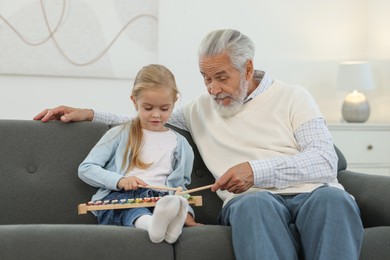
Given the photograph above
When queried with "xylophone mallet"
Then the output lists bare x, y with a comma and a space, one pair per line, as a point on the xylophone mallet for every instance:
178, 189
194, 190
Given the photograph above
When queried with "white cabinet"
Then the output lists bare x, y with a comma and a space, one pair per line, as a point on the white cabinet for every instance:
365, 146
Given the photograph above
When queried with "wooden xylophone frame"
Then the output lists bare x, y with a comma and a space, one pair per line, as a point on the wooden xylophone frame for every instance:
84, 208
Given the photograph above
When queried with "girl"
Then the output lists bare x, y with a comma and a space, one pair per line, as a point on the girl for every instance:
141, 153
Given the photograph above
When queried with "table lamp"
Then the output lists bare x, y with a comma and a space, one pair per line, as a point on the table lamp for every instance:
354, 76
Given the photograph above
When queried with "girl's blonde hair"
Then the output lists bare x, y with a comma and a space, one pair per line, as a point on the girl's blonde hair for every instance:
151, 77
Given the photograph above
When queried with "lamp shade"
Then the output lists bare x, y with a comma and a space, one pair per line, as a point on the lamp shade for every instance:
355, 75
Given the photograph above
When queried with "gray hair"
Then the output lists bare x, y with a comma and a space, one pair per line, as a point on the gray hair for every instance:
236, 45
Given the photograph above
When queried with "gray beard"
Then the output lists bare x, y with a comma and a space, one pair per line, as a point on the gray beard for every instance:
237, 102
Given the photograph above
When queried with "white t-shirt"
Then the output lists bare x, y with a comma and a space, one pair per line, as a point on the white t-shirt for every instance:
156, 148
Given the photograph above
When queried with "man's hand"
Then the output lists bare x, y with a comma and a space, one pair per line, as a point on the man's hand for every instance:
130, 183
237, 179
65, 114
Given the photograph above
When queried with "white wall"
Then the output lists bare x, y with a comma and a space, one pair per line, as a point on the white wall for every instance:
298, 42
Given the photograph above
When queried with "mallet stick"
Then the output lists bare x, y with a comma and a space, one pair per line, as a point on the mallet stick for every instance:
196, 189
160, 187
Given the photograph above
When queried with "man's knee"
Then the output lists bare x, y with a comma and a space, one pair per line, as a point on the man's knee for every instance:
331, 197
329, 194
249, 206
254, 201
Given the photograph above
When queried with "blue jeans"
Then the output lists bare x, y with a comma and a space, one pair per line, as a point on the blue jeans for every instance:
323, 224
126, 217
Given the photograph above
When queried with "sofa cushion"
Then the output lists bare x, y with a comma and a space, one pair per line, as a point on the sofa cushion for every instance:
84, 242
207, 242
376, 243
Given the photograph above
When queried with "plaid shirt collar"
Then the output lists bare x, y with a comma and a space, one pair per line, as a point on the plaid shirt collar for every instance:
265, 82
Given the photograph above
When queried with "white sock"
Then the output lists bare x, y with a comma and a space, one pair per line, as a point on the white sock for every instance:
143, 222
165, 211
176, 227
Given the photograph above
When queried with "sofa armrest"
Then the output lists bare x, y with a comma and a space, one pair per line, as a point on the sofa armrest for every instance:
372, 193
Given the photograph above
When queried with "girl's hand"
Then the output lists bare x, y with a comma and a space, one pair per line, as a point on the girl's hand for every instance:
130, 183
190, 221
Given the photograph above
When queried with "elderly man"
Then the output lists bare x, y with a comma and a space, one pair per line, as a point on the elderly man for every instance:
271, 153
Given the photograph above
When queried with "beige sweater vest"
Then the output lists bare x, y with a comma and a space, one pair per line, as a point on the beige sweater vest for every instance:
264, 128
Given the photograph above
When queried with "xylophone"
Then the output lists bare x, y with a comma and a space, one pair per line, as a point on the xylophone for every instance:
129, 203
140, 202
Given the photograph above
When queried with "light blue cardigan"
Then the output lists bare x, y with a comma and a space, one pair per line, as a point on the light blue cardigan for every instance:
103, 166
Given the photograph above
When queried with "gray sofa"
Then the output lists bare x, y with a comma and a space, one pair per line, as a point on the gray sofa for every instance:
40, 191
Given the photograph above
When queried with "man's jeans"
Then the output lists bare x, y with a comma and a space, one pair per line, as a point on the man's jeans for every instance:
324, 224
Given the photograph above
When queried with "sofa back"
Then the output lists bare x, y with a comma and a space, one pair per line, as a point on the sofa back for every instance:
38, 171
201, 176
